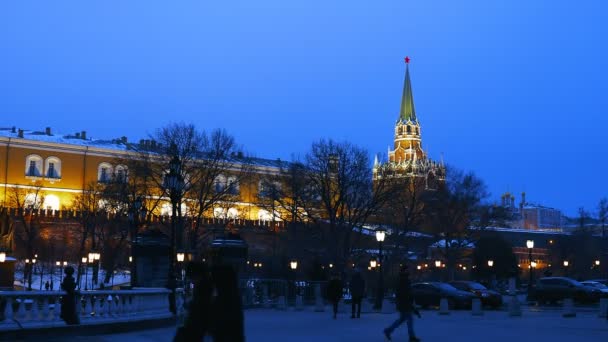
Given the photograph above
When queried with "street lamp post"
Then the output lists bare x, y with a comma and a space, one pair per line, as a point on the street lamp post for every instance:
174, 183
135, 212
180, 259
85, 260
566, 264
58, 264
380, 235
530, 245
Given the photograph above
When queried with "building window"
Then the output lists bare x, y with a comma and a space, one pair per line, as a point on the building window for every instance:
409, 129
104, 173
32, 170
219, 184
120, 176
233, 186
53, 167
33, 166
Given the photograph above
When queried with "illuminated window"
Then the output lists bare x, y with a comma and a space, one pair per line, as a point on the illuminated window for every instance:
104, 173
120, 174
233, 185
33, 166
219, 184
53, 167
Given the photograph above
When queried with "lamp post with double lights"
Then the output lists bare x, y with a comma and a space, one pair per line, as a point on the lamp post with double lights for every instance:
380, 235
530, 246
174, 184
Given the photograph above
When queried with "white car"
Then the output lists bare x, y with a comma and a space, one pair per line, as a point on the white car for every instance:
598, 286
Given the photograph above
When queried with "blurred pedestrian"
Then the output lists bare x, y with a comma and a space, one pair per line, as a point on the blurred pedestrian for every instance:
357, 291
226, 306
68, 301
198, 319
47, 285
334, 292
405, 306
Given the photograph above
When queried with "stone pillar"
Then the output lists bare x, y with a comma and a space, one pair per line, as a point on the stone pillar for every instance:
568, 308
387, 307
319, 303
299, 303
603, 307
476, 309
444, 307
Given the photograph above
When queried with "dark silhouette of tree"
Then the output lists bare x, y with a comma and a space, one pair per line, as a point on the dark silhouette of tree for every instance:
495, 248
453, 210
340, 178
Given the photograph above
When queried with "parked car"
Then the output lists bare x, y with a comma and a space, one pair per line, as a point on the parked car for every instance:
488, 297
553, 289
602, 281
430, 293
597, 285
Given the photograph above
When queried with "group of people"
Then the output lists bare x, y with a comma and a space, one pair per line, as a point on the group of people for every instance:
403, 300
216, 309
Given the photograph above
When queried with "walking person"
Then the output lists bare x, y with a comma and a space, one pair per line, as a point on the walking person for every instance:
198, 319
226, 306
68, 301
47, 285
405, 306
357, 290
334, 292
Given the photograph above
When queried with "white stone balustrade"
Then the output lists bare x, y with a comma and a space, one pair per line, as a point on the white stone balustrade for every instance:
39, 309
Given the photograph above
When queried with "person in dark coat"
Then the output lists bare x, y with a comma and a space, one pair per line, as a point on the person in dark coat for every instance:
334, 292
198, 319
47, 285
357, 291
226, 307
405, 306
68, 301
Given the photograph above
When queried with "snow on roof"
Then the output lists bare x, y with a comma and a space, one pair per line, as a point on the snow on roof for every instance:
118, 145
463, 243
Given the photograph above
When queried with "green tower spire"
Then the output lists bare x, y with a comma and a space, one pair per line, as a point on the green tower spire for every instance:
407, 112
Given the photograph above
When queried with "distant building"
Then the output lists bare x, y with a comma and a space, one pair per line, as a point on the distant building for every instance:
532, 216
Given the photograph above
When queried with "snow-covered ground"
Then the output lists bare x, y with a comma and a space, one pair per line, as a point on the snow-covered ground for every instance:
120, 278
496, 326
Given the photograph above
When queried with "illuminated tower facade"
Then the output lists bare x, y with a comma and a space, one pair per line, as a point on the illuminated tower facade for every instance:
407, 159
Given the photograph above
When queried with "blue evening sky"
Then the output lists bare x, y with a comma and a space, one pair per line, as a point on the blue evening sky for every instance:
512, 90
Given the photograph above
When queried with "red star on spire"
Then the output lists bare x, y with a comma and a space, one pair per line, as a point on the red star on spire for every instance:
407, 60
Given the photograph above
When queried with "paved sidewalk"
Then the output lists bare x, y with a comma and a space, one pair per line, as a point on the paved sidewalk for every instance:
269, 325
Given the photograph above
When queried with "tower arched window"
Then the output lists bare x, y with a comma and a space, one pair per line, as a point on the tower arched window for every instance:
33, 165
104, 172
53, 167
409, 129
417, 131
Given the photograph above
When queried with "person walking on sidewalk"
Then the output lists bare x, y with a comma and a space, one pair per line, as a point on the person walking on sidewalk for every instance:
357, 290
405, 306
334, 292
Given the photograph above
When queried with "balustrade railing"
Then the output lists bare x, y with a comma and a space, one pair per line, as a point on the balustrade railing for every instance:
36, 309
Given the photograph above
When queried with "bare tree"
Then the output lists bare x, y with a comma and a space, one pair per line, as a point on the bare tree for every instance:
452, 210
28, 201
602, 214
287, 194
93, 215
218, 172
340, 177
